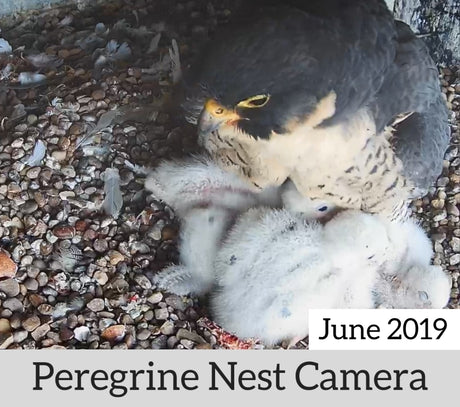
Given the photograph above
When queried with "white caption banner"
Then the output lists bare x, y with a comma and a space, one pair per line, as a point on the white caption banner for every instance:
384, 329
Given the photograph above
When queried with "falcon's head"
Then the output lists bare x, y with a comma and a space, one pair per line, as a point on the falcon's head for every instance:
272, 68
260, 77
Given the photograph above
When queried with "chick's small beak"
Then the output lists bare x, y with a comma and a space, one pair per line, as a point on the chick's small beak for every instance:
214, 115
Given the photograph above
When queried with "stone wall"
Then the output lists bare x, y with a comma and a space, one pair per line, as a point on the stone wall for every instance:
438, 22
12, 6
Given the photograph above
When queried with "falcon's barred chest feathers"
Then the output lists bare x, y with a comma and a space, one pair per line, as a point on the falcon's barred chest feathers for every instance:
310, 91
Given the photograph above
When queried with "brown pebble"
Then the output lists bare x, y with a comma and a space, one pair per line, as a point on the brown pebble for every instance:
8, 267
36, 299
98, 94
31, 323
40, 332
114, 333
66, 334
64, 231
80, 225
90, 234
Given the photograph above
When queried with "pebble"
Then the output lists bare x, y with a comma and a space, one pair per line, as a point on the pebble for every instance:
10, 287
143, 281
31, 323
98, 94
64, 231
59, 155
192, 336
20, 336
114, 333
453, 210
161, 314
168, 328
40, 332
101, 245
176, 302
33, 172
155, 298
101, 277
455, 244
8, 267
31, 284
454, 259
13, 304
115, 257
443, 181
96, 304
143, 335
81, 333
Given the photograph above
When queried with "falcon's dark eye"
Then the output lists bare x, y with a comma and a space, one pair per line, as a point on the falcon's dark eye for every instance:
322, 208
254, 101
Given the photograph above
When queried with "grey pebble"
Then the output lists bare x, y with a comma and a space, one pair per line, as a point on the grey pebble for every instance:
161, 314
96, 304
13, 304
10, 287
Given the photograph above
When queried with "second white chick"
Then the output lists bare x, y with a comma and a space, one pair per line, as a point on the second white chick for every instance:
207, 200
274, 266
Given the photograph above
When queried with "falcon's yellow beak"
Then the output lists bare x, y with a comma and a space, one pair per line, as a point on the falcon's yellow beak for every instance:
214, 115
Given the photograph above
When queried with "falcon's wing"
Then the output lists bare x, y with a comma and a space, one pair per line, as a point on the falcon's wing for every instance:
411, 83
412, 86
420, 142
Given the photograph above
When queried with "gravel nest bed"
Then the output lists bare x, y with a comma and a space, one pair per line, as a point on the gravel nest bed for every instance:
72, 275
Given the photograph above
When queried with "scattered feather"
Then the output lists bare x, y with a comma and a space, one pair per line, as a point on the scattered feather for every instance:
5, 47
105, 121
176, 72
96, 151
163, 65
137, 169
153, 47
67, 20
118, 52
44, 61
90, 42
62, 308
38, 154
31, 78
68, 257
113, 201
18, 111
6, 71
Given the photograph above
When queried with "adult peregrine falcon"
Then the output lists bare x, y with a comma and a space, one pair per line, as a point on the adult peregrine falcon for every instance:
333, 94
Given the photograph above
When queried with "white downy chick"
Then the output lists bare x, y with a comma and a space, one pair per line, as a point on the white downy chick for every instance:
274, 266
408, 280
207, 199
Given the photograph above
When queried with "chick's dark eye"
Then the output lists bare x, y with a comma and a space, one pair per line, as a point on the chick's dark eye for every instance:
322, 208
